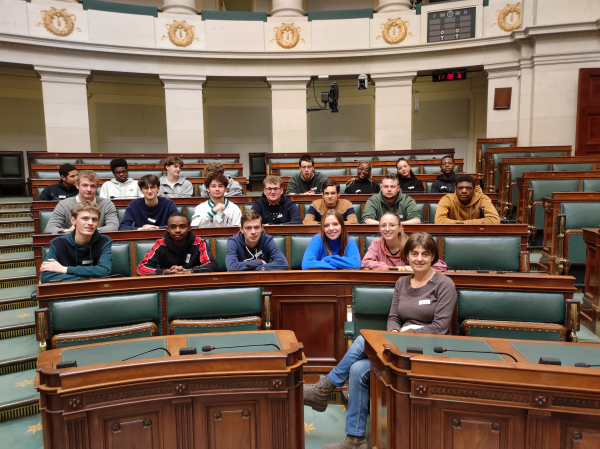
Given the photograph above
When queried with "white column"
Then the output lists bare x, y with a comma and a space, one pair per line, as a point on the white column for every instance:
288, 114
65, 98
393, 110
179, 7
287, 8
391, 5
185, 113
503, 122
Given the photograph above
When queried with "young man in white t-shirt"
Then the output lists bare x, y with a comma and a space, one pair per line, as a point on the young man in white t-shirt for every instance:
218, 210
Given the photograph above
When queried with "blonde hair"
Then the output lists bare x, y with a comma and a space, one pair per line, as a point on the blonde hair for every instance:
89, 174
85, 206
272, 179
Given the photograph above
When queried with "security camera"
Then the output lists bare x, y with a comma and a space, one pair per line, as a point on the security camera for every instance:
363, 81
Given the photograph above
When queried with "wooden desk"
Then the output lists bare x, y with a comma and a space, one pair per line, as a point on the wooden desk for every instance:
216, 400
483, 401
590, 309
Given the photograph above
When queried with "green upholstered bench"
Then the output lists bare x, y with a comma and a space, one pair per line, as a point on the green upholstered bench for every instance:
45, 216
376, 171
358, 158
435, 169
357, 210
214, 310
326, 171
370, 309
137, 174
421, 207
393, 157
187, 160
283, 172
432, 210
232, 172
221, 249
577, 216
102, 318
208, 160
121, 258
96, 160
542, 188
518, 315
284, 160
54, 175
191, 173
136, 161
482, 253
298, 245
572, 167
11, 171
591, 185
55, 161
485, 146
516, 171
325, 160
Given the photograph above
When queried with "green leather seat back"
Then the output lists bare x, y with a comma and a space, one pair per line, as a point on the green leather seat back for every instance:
332, 171
324, 160
421, 207
208, 160
591, 185
137, 174
375, 171
47, 175
45, 250
577, 248
482, 253
141, 248
342, 188
516, 171
298, 244
424, 157
258, 165
392, 157
121, 213
432, 169
491, 305
189, 160
96, 161
246, 207
10, 166
55, 161
45, 216
358, 158
136, 161
428, 185
358, 211
417, 169
39, 190
371, 307
221, 249
305, 207
232, 172
498, 157
518, 334
368, 240
104, 311
191, 173
121, 259
545, 154
581, 215
107, 174
283, 172
572, 167
485, 146
284, 160
539, 217
230, 302
432, 210
543, 188
189, 212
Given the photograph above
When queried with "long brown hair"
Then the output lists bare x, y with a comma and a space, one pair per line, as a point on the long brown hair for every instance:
343, 235
402, 237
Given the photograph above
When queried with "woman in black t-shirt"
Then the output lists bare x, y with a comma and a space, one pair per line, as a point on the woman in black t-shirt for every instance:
362, 183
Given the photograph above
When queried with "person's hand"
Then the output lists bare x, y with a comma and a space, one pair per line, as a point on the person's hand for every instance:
176, 269
394, 330
264, 262
66, 231
149, 227
219, 207
310, 192
53, 266
405, 268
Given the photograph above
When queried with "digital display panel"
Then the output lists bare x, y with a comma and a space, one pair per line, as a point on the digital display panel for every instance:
451, 25
449, 75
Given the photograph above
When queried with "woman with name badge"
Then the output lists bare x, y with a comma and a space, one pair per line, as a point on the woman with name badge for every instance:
331, 249
422, 303
363, 183
385, 252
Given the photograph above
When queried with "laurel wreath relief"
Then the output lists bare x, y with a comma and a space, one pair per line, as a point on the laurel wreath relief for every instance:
287, 35
59, 22
394, 31
181, 33
514, 23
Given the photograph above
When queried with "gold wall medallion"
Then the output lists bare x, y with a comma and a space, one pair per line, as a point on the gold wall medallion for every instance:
512, 23
394, 31
287, 35
59, 22
181, 34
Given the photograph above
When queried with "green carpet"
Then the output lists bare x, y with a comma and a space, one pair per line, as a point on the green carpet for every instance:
327, 427
24, 433
24, 291
16, 256
16, 199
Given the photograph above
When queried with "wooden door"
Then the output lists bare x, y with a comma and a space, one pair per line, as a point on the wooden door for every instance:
587, 140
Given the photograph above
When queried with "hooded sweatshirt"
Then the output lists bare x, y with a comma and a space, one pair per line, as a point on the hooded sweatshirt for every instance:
241, 258
61, 217
443, 185
404, 206
182, 187
297, 185
379, 257
139, 214
116, 189
411, 184
57, 192
165, 254
284, 212
234, 188
90, 260
450, 210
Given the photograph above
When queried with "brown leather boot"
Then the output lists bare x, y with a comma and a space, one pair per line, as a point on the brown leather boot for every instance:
349, 442
317, 395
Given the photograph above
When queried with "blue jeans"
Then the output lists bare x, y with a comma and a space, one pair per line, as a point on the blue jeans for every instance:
356, 366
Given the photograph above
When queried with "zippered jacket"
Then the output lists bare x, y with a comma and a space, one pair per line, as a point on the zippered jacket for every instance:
241, 258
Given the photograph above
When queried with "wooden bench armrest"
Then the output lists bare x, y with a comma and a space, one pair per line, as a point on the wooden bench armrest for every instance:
216, 323
101, 334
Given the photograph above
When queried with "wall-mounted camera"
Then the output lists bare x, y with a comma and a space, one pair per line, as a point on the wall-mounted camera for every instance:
330, 98
363, 81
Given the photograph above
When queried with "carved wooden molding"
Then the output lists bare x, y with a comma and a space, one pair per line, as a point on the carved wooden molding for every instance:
503, 396
124, 395
559, 401
262, 384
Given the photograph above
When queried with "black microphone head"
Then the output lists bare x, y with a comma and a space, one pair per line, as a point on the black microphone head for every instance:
207, 348
438, 349
582, 365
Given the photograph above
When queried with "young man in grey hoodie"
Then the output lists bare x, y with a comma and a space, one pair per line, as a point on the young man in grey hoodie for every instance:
172, 184
234, 188
121, 186
87, 183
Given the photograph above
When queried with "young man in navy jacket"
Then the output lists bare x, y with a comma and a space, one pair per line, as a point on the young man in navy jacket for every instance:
150, 212
253, 249
273, 206
81, 254
179, 251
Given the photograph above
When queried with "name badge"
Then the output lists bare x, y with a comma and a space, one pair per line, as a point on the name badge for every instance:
151, 220
411, 187
62, 197
424, 302
358, 191
401, 216
279, 216
314, 188
86, 262
187, 259
443, 187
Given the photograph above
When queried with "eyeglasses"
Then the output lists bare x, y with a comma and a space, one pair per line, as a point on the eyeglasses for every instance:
272, 189
388, 226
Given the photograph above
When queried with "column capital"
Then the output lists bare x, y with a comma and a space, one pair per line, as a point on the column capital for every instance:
183, 82
393, 79
505, 70
62, 75
288, 82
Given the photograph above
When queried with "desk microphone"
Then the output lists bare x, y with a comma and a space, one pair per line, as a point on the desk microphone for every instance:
584, 365
208, 348
146, 352
440, 350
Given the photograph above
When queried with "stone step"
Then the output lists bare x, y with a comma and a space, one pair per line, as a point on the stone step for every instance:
18, 397
18, 354
8, 243
16, 274
18, 297
26, 218
23, 433
17, 322
16, 256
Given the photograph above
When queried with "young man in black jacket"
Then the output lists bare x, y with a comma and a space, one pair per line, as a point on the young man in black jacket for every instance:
273, 206
66, 187
446, 182
178, 252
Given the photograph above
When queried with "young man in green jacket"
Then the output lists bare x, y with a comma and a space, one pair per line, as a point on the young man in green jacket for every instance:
391, 199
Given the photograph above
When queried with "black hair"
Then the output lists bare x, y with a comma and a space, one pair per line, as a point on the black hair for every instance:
306, 158
119, 162
179, 214
148, 180
65, 169
448, 156
465, 178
